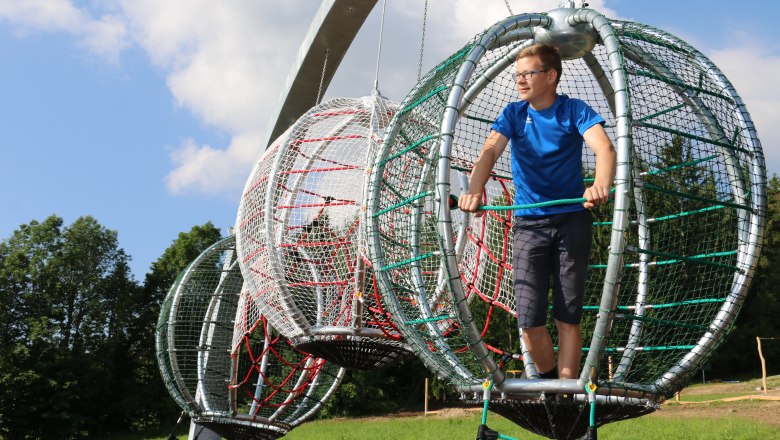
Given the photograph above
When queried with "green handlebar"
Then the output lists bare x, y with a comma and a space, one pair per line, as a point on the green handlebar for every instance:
453, 203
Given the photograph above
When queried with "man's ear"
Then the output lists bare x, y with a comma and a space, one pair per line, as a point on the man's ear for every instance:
554, 75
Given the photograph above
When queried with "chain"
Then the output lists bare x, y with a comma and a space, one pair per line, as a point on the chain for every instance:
508, 8
422, 41
322, 77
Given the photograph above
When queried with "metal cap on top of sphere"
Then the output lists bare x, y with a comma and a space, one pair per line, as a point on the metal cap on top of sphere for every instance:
572, 41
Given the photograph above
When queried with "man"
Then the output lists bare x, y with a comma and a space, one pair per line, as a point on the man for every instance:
547, 130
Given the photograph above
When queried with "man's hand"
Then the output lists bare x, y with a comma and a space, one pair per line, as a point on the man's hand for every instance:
606, 158
596, 195
471, 203
491, 151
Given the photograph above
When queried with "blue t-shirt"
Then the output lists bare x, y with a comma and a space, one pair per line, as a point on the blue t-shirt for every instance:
546, 151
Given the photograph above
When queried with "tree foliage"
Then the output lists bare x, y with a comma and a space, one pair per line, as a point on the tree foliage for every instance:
65, 292
76, 345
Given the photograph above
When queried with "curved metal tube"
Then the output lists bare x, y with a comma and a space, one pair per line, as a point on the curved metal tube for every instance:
752, 222
455, 102
622, 179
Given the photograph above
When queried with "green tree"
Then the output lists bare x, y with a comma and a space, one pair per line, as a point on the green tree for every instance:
62, 291
77, 341
758, 317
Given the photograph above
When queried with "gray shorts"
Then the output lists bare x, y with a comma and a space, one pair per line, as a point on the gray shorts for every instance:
557, 247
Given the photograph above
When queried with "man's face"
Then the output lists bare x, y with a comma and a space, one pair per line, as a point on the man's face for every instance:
537, 81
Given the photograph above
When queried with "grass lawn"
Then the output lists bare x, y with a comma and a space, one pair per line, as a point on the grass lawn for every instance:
454, 428
744, 419
438, 428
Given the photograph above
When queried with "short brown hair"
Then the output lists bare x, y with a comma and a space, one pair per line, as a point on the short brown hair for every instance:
548, 55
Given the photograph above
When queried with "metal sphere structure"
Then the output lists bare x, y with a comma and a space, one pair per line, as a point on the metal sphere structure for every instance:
301, 236
672, 256
233, 376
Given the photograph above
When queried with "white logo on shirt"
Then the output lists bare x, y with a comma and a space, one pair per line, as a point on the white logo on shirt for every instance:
528, 120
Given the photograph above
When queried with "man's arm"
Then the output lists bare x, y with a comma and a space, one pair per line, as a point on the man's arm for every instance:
491, 151
606, 160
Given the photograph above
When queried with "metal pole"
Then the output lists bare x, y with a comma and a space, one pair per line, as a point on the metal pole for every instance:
426, 397
763, 365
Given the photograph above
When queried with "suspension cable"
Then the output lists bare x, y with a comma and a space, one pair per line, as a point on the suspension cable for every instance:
506, 2
422, 41
379, 49
322, 77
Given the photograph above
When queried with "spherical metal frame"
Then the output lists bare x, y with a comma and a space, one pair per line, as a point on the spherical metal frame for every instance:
559, 27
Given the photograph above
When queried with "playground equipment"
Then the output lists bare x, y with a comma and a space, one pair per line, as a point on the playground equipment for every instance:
672, 255
234, 376
301, 236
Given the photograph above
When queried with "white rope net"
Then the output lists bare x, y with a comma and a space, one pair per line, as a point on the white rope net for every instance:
301, 236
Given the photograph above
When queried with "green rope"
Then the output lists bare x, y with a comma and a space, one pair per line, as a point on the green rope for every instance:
662, 306
687, 303
692, 136
677, 82
402, 203
686, 213
426, 320
697, 259
662, 112
661, 189
385, 237
474, 118
411, 106
408, 261
654, 40
454, 58
660, 321
658, 348
407, 149
682, 165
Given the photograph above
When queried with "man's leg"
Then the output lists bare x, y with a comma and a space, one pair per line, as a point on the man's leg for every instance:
569, 349
539, 344
574, 236
532, 251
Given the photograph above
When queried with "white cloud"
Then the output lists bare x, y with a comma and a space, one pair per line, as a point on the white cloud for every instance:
208, 170
751, 70
105, 36
226, 62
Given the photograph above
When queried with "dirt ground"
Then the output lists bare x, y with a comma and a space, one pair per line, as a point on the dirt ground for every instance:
747, 402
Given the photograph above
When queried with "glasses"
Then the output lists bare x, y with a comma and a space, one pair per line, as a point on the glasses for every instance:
526, 75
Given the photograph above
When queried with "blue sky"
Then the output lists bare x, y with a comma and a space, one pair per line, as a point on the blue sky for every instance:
149, 114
